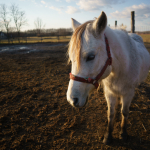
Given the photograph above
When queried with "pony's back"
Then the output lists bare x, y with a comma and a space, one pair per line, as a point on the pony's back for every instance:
136, 37
144, 56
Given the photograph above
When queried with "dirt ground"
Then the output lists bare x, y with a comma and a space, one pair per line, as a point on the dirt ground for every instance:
34, 112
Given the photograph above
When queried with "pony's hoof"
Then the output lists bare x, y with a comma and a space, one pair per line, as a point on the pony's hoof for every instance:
107, 139
124, 136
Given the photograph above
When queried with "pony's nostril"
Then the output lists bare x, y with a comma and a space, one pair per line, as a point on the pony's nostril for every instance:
75, 101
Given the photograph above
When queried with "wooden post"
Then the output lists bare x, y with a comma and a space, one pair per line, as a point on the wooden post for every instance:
116, 24
26, 37
132, 22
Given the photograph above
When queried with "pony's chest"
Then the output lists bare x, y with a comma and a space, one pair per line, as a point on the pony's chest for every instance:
114, 86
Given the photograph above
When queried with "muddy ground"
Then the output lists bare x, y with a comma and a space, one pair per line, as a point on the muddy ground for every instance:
34, 112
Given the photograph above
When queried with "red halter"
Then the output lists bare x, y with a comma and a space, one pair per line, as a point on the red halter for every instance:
95, 80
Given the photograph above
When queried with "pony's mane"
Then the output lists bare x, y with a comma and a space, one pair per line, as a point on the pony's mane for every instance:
75, 43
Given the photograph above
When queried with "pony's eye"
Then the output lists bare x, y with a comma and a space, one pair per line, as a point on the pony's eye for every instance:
91, 57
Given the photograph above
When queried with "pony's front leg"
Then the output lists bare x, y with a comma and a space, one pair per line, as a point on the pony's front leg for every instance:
126, 101
111, 102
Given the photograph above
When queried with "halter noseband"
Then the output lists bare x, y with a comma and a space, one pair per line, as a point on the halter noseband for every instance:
95, 80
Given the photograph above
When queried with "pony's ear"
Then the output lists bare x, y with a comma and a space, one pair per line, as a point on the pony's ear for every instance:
75, 24
100, 23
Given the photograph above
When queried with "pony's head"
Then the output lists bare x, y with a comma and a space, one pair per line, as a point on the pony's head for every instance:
87, 54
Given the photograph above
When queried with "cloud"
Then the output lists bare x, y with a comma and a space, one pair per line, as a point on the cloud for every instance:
90, 5
55, 8
142, 11
68, 1
72, 10
43, 2
58, 0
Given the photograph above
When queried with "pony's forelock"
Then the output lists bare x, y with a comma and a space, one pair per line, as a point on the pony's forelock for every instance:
75, 43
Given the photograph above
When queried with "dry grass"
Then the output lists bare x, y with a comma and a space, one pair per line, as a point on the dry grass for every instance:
146, 37
37, 40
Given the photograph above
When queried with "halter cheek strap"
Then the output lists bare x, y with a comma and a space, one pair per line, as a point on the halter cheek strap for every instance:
95, 80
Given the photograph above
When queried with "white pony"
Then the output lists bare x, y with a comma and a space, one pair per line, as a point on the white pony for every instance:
89, 51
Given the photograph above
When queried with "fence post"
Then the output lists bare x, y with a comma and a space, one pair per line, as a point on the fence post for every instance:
26, 37
132, 22
116, 24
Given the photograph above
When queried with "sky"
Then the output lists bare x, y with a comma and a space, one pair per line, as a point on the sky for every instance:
58, 13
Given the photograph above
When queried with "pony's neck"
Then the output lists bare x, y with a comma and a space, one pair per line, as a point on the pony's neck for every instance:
116, 50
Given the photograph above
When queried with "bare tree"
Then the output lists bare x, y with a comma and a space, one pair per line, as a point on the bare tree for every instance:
39, 25
19, 18
1, 25
5, 19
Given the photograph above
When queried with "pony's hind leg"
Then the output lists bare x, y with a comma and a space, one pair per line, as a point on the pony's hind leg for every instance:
126, 101
111, 102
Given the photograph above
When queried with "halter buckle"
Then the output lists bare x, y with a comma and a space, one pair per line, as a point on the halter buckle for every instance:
94, 81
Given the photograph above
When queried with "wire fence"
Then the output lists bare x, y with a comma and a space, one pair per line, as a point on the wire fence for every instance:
35, 39
142, 29
138, 29
27, 39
